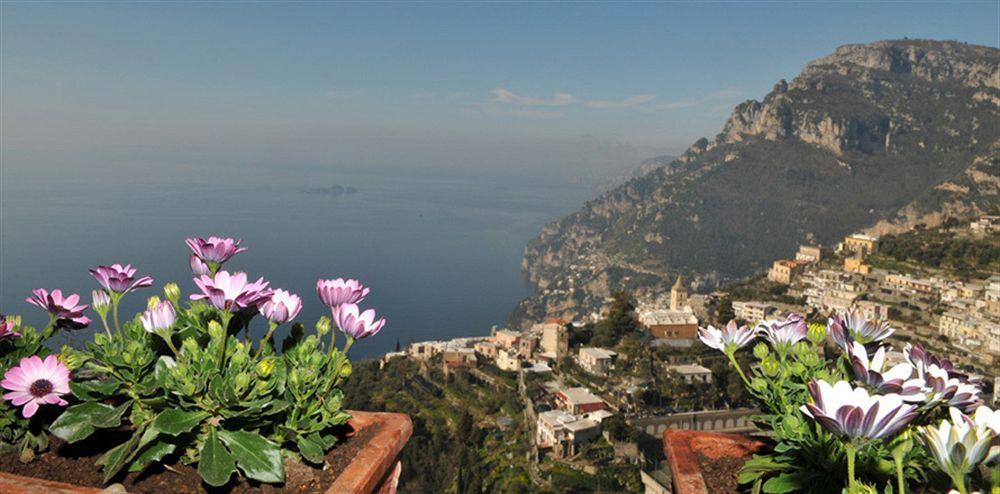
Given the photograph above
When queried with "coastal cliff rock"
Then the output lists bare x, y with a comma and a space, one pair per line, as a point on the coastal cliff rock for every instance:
876, 136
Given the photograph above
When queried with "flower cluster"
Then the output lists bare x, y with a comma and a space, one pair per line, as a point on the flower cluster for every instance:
874, 410
179, 379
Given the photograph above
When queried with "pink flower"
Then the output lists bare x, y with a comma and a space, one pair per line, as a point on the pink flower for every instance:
7, 328
36, 382
215, 249
198, 267
728, 339
65, 310
160, 317
281, 307
356, 325
337, 292
231, 292
119, 279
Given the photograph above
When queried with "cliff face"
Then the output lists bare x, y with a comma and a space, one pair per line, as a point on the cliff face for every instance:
874, 136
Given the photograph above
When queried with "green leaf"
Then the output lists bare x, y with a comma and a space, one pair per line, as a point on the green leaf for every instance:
116, 458
78, 421
216, 464
93, 389
150, 455
111, 417
174, 422
787, 482
259, 458
310, 448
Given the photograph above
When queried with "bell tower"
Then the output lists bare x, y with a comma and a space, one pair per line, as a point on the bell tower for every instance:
678, 295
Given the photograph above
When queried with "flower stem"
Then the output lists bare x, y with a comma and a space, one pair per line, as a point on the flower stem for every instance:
732, 358
166, 335
104, 321
270, 331
114, 310
226, 317
49, 328
959, 480
850, 467
900, 481
333, 341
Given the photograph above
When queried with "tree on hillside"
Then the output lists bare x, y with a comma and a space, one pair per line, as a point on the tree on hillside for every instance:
620, 321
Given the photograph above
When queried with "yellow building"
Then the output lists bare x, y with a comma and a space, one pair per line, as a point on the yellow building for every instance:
856, 265
784, 271
860, 244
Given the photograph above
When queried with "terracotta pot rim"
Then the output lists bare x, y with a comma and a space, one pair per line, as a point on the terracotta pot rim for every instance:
680, 447
374, 464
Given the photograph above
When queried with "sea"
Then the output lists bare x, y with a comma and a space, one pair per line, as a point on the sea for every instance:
439, 248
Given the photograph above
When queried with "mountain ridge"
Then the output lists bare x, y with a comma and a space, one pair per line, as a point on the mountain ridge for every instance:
875, 136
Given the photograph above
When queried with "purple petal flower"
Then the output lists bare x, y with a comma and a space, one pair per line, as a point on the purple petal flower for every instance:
921, 360
231, 292
36, 382
851, 413
281, 307
873, 373
160, 317
7, 328
215, 249
337, 292
786, 332
356, 325
66, 311
728, 339
854, 327
119, 279
198, 267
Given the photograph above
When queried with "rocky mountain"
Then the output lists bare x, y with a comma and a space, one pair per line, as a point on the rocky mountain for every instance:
873, 137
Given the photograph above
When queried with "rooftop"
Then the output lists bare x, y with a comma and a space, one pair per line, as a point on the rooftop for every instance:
598, 353
580, 396
689, 369
667, 316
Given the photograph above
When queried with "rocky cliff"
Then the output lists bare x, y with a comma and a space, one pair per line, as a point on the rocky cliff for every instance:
877, 136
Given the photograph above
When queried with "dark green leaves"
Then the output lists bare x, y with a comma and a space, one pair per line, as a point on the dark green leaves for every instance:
311, 448
174, 422
216, 464
93, 389
257, 457
79, 421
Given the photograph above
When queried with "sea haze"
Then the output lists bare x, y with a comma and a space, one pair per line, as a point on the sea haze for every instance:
441, 251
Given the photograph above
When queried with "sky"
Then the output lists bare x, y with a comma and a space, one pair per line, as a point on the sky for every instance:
563, 88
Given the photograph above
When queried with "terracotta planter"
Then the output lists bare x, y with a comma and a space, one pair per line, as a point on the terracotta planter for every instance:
690, 452
375, 469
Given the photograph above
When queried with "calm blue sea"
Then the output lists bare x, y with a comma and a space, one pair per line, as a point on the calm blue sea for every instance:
440, 249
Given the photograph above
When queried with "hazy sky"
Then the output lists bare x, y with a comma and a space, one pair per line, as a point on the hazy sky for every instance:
511, 86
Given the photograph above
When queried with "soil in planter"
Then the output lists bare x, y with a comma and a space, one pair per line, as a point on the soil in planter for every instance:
720, 474
74, 464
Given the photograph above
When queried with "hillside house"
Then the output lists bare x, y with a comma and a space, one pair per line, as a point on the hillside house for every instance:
597, 360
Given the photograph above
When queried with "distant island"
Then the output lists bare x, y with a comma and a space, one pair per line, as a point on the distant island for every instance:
333, 190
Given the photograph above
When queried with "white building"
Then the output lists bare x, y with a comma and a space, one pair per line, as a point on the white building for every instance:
508, 360
597, 360
692, 373
564, 432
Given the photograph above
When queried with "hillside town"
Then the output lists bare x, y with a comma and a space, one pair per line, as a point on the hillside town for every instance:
583, 392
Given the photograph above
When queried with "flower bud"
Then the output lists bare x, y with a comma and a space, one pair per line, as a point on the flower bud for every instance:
323, 326
295, 378
770, 366
215, 331
265, 367
14, 322
346, 369
100, 301
152, 302
172, 292
242, 380
72, 358
760, 351
817, 333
